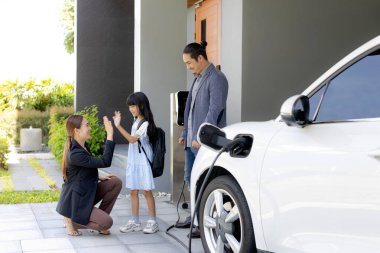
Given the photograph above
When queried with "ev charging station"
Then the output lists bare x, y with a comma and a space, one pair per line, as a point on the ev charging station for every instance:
177, 152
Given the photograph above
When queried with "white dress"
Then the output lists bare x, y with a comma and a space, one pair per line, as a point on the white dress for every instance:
139, 174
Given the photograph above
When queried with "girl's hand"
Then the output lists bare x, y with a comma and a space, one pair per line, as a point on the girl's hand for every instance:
117, 118
108, 127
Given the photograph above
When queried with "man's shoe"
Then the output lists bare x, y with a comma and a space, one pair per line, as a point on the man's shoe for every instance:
185, 224
195, 233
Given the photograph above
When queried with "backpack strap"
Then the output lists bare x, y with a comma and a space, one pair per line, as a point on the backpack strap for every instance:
140, 123
141, 146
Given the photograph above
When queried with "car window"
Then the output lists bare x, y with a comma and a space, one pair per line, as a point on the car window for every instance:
354, 93
314, 102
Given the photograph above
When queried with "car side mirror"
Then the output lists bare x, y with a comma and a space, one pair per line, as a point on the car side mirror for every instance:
295, 111
211, 136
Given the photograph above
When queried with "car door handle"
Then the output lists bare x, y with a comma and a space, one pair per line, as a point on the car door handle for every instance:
375, 154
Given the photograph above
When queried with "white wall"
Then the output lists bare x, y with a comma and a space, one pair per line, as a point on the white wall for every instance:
160, 36
231, 55
190, 39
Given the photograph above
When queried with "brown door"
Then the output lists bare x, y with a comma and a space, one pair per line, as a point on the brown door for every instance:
207, 27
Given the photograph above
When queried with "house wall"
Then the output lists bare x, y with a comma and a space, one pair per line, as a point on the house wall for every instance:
231, 56
104, 51
270, 50
190, 39
159, 69
230, 53
288, 44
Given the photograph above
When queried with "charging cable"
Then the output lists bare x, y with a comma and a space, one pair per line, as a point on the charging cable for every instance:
228, 145
172, 226
200, 194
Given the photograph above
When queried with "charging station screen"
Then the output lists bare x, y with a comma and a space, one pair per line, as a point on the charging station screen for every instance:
181, 97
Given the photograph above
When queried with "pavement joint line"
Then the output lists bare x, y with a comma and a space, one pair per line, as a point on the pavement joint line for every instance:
42, 173
35, 219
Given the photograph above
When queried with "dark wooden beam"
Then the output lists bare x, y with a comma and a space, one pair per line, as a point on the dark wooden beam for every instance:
191, 3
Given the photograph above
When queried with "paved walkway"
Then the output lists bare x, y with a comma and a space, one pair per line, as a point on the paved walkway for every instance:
37, 227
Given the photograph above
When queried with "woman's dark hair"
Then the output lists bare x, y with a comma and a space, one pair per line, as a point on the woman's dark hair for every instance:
196, 49
141, 100
72, 122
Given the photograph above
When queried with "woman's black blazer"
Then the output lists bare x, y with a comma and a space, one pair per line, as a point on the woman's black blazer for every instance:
78, 192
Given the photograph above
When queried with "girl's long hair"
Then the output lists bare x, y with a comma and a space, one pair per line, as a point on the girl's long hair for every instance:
72, 122
141, 100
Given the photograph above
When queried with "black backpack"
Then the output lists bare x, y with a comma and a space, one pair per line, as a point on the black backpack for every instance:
159, 150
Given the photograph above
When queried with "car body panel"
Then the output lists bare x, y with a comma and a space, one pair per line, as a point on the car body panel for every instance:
320, 182
248, 173
311, 189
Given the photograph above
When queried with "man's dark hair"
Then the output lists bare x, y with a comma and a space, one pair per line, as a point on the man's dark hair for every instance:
196, 49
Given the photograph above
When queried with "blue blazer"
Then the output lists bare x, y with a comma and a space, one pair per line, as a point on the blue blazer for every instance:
210, 102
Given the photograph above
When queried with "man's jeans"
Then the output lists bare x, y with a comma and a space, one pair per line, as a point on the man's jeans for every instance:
189, 161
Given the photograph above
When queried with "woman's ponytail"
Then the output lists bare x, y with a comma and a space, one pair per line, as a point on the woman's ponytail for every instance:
64, 157
72, 122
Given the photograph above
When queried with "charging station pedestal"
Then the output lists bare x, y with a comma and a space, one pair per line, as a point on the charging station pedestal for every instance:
177, 152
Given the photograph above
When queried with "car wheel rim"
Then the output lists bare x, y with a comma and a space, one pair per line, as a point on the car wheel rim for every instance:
222, 223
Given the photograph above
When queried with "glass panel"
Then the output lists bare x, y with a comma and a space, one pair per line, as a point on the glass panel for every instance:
314, 102
355, 93
203, 30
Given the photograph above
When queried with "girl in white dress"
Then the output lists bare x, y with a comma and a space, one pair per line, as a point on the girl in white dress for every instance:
139, 173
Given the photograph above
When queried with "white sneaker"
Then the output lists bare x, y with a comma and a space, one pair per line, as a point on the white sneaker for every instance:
131, 226
151, 227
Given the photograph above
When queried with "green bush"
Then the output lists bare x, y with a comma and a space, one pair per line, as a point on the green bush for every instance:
62, 95
57, 132
4, 150
67, 22
8, 124
58, 136
17, 95
12, 121
35, 119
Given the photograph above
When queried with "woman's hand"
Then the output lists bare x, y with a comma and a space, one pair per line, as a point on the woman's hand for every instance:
103, 178
117, 118
109, 128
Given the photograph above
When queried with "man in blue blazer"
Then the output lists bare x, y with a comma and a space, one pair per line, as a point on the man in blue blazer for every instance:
206, 101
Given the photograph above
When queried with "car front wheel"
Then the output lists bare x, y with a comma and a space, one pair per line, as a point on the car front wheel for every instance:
224, 218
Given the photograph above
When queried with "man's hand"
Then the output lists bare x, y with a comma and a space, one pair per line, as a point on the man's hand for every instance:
181, 140
196, 145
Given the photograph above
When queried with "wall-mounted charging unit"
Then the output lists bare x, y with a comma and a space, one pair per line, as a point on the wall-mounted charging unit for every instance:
177, 153
180, 98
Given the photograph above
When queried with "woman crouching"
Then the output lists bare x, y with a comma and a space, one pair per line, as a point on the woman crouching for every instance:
83, 187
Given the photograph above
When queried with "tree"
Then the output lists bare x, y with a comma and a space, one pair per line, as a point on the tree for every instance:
67, 20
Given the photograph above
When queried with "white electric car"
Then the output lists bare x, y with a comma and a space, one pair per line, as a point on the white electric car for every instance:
308, 181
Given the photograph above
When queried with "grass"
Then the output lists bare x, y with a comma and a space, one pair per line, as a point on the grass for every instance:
18, 197
5, 177
9, 196
42, 173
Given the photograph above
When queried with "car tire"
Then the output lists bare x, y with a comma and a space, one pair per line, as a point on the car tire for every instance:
226, 226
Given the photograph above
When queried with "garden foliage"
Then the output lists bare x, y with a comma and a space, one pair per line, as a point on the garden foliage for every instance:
58, 136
